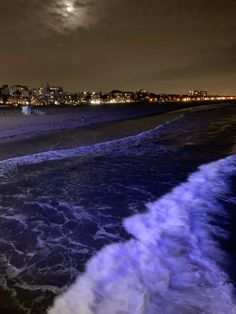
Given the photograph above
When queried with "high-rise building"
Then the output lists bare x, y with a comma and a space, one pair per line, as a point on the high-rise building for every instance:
4, 93
197, 93
48, 95
19, 91
5, 90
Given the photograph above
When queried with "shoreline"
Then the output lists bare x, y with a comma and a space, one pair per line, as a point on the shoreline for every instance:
65, 133
15, 126
42, 180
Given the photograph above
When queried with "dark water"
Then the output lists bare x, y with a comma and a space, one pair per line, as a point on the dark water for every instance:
56, 214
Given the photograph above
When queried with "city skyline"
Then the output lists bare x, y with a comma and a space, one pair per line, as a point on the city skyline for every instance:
18, 95
185, 90
101, 45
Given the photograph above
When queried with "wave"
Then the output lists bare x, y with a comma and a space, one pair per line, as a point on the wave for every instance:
171, 265
12, 163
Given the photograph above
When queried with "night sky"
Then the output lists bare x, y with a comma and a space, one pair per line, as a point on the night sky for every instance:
162, 46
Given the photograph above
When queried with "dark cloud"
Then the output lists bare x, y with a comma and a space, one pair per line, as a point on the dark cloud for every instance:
204, 5
45, 18
219, 64
103, 44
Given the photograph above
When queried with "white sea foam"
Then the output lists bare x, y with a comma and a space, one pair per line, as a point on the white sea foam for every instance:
12, 163
170, 267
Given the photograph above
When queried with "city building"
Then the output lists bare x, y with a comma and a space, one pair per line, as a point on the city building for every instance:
19, 94
197, 93
47, 95
55, 95
4, 94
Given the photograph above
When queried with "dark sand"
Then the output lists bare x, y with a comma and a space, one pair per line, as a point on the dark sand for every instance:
20, 135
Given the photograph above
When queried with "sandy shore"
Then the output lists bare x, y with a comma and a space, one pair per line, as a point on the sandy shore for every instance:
14, 125
64, 127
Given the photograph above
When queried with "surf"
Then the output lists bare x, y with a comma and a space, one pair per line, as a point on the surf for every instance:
172, 263
11, 164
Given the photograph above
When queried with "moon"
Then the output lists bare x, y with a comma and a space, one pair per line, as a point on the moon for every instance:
69, 8
70, 15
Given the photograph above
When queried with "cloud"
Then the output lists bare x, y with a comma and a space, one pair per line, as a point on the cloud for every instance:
218, 63
204, 5
41, 18
57, 17
81, 14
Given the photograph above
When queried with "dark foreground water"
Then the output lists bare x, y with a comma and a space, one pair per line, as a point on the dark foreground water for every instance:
57, 209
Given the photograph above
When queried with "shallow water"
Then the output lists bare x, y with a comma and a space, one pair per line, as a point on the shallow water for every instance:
59, 208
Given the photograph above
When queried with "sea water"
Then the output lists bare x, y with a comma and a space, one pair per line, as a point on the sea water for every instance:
126, 226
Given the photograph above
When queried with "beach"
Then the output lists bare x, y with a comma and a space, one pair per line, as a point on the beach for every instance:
74, 199
67, 127
14, 125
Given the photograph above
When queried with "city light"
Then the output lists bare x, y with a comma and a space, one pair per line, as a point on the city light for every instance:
18, 95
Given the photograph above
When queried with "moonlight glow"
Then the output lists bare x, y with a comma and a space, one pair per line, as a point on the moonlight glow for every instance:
70, 8
68, 16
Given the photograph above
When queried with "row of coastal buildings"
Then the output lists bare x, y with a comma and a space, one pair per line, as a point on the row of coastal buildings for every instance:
17, 95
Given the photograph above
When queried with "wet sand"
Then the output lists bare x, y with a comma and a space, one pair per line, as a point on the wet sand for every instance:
14, 125
63, 128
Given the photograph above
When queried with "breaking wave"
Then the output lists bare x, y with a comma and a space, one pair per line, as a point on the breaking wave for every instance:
12, 163
172, 263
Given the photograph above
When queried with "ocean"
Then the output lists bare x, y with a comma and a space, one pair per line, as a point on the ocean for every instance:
142, 224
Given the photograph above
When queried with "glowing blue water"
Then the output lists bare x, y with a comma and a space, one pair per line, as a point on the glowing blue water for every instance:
58, 209
171, 265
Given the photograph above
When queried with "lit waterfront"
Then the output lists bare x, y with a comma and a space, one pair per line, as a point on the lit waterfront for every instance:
55, 95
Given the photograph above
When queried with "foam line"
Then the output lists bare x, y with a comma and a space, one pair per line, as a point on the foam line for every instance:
11, 164
170, 266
